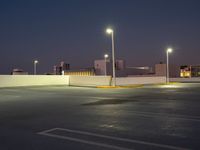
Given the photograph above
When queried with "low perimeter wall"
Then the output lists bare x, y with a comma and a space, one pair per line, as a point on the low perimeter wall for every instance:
32, 80
185, 80
140, 80
89, 80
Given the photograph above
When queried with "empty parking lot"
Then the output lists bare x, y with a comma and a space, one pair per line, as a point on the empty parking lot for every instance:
60, 118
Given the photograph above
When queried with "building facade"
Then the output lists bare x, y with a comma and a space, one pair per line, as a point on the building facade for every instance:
19, 72
104, 67
81, 72
62, 67
190, 71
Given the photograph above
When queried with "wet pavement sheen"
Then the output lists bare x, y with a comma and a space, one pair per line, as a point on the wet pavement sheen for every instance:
150, 117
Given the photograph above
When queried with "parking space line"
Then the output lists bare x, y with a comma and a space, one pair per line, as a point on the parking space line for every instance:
48, 133
81, 140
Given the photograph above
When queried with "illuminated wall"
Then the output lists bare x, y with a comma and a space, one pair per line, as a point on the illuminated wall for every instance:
37, 80
32, 80
140, 80
89, 80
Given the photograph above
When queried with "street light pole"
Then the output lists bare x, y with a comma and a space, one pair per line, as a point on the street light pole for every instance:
169, 50
105, 58
35, 67
110, 31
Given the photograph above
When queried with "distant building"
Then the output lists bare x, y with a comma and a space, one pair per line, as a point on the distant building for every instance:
58, 69
160, 70
19, 72
64, 66
120, 64
81, 72
139, 71
174, 71
190, 71
195, 71
64, 69
103, 67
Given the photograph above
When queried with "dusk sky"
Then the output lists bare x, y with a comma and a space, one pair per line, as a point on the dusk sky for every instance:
74, 31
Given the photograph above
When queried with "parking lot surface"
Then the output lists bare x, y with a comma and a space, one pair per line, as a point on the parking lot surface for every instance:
76, 118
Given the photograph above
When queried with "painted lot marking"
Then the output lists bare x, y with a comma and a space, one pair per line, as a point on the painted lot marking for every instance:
105, 137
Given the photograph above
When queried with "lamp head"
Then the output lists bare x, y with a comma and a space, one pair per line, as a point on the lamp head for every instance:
106, 56
35, 61
109, 31
169, 50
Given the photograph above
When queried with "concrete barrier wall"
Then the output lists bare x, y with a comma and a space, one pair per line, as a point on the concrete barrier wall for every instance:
185, 79
89, 80
32, 80
140, 80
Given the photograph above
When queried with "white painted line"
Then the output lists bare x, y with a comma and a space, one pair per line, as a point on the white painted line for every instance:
100, 98
84, 141
46, 132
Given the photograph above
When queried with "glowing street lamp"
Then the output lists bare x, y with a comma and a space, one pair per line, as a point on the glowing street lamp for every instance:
169, 50
110, 31
105, 58
35, 66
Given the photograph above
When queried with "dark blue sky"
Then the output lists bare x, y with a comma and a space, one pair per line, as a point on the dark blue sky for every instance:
74, 31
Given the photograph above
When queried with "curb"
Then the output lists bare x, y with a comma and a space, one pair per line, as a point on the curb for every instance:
170, 83
121, 86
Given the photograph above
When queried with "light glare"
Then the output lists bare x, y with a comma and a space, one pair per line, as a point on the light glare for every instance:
106, 56
109, 31
169, 50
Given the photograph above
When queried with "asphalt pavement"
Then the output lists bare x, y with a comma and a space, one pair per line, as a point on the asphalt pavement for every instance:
153, 117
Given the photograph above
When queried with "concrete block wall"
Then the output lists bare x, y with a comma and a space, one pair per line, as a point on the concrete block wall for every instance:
185, 80
36, 80
32, 80
140, 80
89, 80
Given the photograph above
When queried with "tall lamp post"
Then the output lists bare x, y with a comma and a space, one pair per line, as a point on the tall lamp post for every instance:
169, 50
110, 31
105, 58
35, 66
